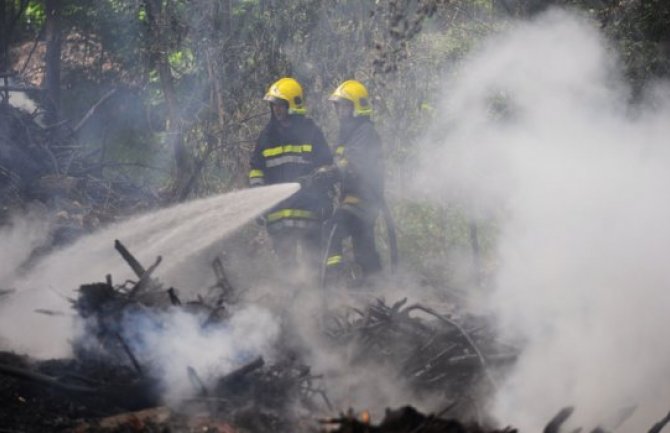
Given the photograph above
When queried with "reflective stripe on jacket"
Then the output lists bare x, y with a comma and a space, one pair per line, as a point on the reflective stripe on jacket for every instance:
286, 153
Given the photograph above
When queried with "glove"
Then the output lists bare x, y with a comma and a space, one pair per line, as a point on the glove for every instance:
325, 176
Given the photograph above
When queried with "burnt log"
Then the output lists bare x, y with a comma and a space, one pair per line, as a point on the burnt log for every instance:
145, 281
134, 395
656, 428
405, 420
130, 259
235, 380
557, 421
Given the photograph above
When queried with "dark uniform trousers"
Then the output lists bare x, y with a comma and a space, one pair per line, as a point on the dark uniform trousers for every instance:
346, 223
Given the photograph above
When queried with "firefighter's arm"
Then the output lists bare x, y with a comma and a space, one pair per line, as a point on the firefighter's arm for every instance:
361, 155
325, 173
257, 164
322, 154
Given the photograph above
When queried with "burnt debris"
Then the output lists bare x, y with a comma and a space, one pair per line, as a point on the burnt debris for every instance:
107, 377
436, 355
110, 383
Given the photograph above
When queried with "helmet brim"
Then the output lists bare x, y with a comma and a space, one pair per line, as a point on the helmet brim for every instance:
275, 100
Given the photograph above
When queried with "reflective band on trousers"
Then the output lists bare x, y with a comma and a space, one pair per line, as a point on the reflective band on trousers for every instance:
273, 227
290, 213
289, 148
274, 162
333, 260
255, 173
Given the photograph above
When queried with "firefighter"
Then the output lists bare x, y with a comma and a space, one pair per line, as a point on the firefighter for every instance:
359, 164
290, 147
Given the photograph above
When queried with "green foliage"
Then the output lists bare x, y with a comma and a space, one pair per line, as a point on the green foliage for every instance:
35, 15
640, 31
182, 62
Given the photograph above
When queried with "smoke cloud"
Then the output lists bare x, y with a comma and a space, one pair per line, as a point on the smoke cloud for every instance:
538, 129
18, 240
172, 341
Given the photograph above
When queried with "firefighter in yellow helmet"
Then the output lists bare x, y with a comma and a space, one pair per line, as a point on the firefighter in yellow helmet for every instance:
291, 147
359, 162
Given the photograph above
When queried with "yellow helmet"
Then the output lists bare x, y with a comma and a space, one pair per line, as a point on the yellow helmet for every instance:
289, 90
354, 91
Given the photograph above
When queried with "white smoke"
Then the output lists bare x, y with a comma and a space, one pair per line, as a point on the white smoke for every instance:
169, 342
18, 240
581, 177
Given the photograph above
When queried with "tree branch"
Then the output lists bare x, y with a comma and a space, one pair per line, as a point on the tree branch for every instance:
92, 110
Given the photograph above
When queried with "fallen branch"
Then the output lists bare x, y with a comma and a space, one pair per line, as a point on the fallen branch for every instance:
129, 258
659, 425
243, 371
465, 335
557, 421
129, 352
43, 379
145, 279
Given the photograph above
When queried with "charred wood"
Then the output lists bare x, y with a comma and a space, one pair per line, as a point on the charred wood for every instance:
145, 280
234, 379
45, 380
656, 428
406, 420
557, 421
130, 354
130, 259
433, 353
174, 299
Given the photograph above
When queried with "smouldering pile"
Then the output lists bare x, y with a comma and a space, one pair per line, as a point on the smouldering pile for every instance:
107, 377
432, 353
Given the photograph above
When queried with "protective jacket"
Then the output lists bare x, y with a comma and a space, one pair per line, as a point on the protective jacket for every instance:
361, 172
359, 160
285, 154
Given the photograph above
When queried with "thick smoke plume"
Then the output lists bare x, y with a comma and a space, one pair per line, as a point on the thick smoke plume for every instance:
538, 129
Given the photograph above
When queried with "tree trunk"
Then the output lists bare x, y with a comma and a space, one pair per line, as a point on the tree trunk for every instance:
226, 18
4, 35
225, 32
222, 30
158, 18
53, 59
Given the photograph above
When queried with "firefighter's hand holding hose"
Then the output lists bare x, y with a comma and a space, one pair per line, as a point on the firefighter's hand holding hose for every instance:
323, 177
